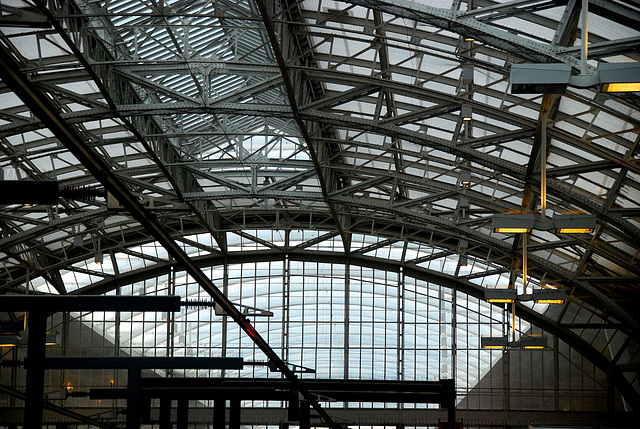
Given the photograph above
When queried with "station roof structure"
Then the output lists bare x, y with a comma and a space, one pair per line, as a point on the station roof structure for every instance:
255, 141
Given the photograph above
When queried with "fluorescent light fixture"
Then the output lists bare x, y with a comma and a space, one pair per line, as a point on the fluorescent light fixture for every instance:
469, 39
465, 112
500, 295
513, 223
619, 77
574, 224
53, 339
533, 343
493, 342
549, 296
540, 78
620, 87
465, 177
526, 342
99, 258
9, 340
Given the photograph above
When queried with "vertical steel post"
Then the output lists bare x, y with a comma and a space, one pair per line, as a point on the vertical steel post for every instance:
305, 415
182, 419
165, 413
543, 165
584, 14
219, 413
133, 398
34, 397
234, 414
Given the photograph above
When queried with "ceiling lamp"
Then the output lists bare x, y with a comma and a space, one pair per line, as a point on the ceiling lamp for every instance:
513, 223
99, 259
540, 78
619, 77
526, 342
494, 342
500, 295
52, 339
466, 112
562, 224
574, 224
549, 296
9, 340
533, 343
539, 296
533, 78
465, 177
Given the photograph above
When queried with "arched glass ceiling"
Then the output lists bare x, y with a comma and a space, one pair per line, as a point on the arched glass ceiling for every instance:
343, 321
186, 101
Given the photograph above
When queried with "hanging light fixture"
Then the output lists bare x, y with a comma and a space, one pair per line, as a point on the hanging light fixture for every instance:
562, 224
494, 342
513, 223
526, 342
500, 295
466, 112
574, 224
533, 343
9, 340
549, 296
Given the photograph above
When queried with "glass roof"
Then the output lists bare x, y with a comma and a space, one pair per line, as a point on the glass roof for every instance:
325, 135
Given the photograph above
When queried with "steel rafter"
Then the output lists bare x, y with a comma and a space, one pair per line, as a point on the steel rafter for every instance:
163, 148
311, 146
41, 107
462, 24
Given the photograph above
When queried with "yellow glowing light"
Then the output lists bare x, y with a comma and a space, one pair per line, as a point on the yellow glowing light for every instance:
493, 347
8, 344
533, 347
621, 87
503, 300
574, 230
466, 118
469, 39
511, 230
549, 301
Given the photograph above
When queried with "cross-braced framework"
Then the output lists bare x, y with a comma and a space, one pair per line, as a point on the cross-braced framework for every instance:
337, 164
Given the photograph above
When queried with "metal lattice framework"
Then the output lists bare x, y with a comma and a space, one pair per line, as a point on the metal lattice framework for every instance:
342, 119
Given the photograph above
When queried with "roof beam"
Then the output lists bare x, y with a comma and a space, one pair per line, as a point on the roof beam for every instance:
43, 108
163, 148
455, 21
291, 95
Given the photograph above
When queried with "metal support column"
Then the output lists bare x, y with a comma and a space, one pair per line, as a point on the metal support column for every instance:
165, 413
293, 412
37, 323
133, 398
305, 415
219, 413
182, 419
234, 414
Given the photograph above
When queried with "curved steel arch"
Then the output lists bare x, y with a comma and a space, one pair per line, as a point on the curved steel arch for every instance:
622, 227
